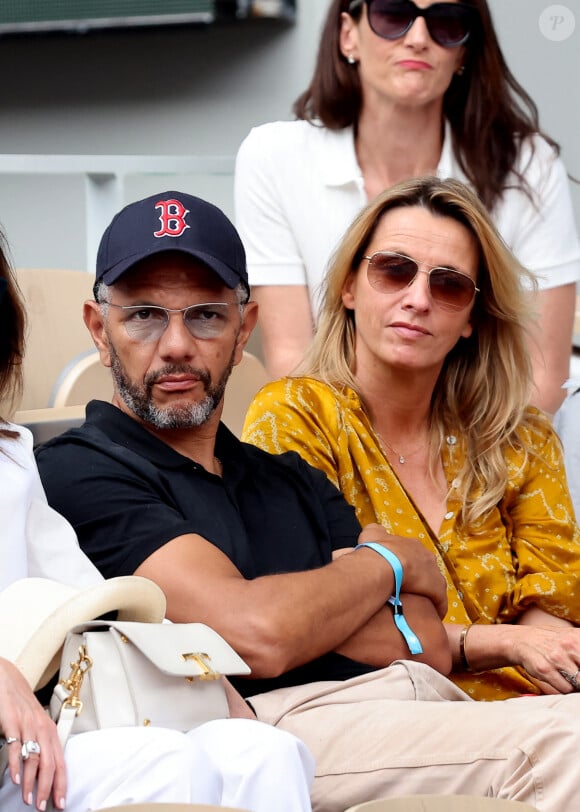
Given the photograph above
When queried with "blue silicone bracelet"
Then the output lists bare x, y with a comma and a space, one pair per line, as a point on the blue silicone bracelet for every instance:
411, 639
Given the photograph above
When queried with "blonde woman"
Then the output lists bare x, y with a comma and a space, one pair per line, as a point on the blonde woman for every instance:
413, 400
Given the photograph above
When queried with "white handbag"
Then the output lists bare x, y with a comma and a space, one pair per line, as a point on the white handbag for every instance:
117, 674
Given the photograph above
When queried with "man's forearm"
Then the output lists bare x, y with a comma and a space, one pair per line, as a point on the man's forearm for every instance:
379, 642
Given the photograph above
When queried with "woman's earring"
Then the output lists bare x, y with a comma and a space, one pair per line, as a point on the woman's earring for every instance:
351, 60
460, 70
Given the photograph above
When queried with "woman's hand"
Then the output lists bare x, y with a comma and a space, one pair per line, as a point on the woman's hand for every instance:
544, 652
23, 718
547, 651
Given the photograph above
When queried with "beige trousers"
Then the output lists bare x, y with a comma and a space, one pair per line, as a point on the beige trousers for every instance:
407, 730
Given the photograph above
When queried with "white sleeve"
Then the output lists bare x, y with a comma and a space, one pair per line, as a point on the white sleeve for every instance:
566, 423
53, 549
260, 201
36, 540
542, 232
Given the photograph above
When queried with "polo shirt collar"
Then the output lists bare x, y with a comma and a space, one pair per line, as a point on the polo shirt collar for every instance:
446, 167
126, 431
337, 158
339, 165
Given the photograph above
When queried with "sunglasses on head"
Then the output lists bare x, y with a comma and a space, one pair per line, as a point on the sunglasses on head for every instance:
449, 24
389, 272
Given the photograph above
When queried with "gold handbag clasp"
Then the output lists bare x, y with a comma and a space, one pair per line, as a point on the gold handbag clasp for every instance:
203, 661
75, 680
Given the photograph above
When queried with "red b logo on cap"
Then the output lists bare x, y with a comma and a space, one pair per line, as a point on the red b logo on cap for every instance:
172, 218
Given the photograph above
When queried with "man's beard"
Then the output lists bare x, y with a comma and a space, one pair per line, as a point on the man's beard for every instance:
138, 398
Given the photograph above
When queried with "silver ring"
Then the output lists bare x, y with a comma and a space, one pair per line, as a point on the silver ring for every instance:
28, 748
12, 739
572, 678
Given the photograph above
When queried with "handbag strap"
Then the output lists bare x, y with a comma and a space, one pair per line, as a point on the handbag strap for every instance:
66, 714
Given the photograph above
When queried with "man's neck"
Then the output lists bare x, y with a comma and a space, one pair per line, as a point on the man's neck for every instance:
196, 443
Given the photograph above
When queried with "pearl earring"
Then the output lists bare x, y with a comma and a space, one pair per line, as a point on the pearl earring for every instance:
351, 60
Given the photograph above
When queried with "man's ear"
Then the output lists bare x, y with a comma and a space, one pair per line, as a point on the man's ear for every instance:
96, 326
249, 322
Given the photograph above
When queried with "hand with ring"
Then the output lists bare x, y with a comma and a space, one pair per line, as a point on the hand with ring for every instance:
572, 678
549, 654
28, 748
35, 755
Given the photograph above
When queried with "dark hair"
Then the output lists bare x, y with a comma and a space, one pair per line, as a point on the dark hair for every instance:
12, 328
490, 113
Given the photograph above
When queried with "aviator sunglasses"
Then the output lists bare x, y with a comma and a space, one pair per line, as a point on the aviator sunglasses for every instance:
389, 272
449, 24
149, 322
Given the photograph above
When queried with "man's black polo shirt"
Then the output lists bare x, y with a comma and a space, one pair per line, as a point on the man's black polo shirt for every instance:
127, 494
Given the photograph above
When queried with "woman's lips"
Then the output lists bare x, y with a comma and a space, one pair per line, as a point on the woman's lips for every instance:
415, 64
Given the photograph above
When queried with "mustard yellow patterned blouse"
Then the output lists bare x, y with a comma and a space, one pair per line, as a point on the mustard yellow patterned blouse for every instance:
528, 548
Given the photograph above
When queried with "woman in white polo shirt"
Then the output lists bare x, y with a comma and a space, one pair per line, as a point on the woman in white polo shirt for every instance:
402, 90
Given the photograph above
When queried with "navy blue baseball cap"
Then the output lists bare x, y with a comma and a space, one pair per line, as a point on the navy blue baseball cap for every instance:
172, 221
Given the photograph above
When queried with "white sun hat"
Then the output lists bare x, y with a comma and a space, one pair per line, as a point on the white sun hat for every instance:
37, 613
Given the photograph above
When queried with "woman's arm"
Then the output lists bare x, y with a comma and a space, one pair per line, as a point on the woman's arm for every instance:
551, 345
285, 320
543, 645
541, 231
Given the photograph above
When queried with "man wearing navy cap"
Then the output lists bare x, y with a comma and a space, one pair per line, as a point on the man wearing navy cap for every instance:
266, 550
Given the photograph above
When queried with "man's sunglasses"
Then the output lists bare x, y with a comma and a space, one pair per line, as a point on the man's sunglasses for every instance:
389, 272
449, 24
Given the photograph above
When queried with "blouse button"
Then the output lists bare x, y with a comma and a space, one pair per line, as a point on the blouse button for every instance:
456, 483
460, 595
449, 514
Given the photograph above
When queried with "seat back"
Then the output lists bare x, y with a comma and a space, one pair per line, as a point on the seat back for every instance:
56, 331
442, 803
83, 378
247, 377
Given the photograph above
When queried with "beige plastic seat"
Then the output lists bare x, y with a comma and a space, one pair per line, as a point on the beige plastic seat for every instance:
442, 803
84, 378
48, 423
247, 377
160, 807
56, 331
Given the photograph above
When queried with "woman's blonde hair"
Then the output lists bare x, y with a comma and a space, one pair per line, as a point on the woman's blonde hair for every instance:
484, 386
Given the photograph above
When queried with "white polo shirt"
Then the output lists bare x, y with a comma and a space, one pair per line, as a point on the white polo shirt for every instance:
298, 187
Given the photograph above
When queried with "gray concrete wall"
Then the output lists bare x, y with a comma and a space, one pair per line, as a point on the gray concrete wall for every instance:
198, 91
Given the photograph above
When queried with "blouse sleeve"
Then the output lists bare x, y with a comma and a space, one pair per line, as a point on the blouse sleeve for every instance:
545, 535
